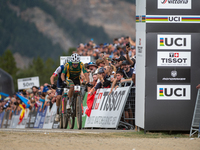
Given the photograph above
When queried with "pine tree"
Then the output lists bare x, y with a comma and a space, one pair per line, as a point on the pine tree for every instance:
7, 63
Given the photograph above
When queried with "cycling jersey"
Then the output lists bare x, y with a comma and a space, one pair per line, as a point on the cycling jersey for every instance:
73, 73
58, 72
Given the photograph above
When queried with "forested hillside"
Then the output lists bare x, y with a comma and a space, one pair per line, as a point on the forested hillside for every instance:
23, 37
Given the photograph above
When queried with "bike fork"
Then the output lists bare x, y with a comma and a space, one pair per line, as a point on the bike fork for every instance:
63, 105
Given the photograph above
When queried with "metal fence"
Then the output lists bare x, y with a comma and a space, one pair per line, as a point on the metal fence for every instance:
128, 116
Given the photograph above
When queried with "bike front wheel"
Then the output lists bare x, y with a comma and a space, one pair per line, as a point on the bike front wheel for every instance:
79, 112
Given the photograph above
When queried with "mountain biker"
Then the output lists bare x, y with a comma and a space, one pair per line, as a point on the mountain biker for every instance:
57, 72
73, 71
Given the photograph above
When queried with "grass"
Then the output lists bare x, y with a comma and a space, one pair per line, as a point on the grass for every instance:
133, 134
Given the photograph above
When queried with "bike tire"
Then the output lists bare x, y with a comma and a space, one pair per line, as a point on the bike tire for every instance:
79, 112
61, 122
71, 119
65, 116
71, 122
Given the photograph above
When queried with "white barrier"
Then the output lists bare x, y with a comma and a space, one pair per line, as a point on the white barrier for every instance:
107, 109
22, 125
15, 120
50, 116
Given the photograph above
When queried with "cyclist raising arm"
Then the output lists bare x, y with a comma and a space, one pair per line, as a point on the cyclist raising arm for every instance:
73, 70
59, 91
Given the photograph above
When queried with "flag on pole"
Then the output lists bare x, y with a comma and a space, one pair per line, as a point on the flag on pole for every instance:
90, 100
22, 113
24, 100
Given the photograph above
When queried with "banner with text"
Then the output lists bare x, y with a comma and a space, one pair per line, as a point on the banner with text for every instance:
107, 109
26, 83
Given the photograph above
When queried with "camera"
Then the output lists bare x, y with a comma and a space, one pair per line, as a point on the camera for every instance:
128, 45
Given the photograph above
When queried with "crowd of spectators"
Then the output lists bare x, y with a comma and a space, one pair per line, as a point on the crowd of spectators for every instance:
33, 98
112, 64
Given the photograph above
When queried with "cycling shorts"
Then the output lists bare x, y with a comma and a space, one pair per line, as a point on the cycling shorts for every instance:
73, 82
59, 91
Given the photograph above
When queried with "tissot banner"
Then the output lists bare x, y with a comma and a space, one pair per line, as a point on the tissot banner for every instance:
174, 58
107, 109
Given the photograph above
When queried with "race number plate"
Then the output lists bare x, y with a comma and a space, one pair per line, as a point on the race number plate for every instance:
66, 90
77, 88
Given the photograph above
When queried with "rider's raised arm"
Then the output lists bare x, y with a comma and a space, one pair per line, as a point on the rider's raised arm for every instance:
56, 72
65, 70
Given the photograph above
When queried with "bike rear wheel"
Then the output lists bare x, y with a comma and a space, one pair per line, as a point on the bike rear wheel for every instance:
79, 112
61, 122
65, 116
72, 114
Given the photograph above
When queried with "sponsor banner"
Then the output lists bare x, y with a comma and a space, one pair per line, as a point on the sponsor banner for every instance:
50, 116
56, 124
6, 120
15, 119
1, 118
107, 109
174, 4
26, 83
172, 19
31, 118
174, 42
22, 125
173, 92
65, 59
173, 75
173, 58
39, 121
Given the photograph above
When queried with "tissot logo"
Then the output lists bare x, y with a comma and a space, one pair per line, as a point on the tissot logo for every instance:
174, 55
173, 75
174, 4
173, 58
174, 41
173, 92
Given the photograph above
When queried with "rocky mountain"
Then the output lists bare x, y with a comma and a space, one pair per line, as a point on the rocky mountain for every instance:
117, 17
47, 28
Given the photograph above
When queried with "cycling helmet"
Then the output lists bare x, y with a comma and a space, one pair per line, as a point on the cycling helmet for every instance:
75, 58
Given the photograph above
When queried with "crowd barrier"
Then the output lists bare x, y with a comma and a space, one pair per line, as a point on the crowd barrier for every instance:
107, 112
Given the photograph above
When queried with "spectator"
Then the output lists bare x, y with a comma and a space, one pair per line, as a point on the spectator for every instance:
35, 90
104, 80
129, 73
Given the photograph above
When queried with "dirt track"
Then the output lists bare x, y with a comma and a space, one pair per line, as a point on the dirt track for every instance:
121, 140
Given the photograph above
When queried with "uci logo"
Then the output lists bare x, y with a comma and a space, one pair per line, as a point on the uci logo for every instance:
174, 41
169, 92
173, 92
174, 19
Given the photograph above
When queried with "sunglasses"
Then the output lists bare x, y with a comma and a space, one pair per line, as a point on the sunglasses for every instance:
75, 64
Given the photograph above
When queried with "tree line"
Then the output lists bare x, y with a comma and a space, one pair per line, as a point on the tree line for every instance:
38, 67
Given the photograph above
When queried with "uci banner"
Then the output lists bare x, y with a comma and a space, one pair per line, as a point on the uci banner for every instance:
107, 109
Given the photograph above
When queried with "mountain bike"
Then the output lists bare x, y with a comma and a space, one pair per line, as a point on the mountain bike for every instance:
67, 117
